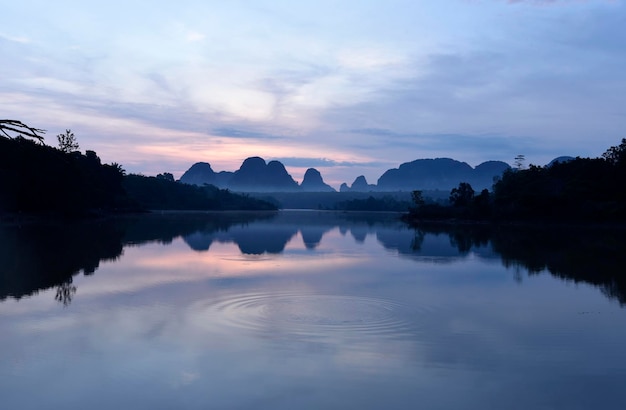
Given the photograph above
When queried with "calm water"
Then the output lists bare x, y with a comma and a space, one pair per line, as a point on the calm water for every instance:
309, 310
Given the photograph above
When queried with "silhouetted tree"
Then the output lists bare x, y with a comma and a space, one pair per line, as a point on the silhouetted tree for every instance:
418, 198
67, 141
519, 161
616, 155
462, 196
167, 176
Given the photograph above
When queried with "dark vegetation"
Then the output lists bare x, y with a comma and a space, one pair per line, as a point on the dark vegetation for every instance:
39, 179
162, 193
35, 178
578, 190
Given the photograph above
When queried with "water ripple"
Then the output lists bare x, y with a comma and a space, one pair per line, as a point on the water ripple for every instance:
310, 315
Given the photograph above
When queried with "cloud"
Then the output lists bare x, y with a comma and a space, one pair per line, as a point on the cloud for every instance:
15, 39
194, 36
238, 133
304, 162
555, 2
488, 146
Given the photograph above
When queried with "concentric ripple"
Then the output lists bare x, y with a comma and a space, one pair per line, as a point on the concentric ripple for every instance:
311, 315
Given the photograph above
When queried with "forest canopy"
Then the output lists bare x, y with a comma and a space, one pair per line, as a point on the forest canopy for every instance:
36, 178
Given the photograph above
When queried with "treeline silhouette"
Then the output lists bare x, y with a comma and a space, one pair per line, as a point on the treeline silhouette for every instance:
38, 178
160, 193
35, 178
580, 189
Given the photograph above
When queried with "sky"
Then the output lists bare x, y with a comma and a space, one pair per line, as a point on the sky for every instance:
349, 87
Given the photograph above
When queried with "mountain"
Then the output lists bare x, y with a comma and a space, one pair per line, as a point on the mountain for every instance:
201, 173
313, 182
560, 159
439, 173
359, 185
484, 174
257, 176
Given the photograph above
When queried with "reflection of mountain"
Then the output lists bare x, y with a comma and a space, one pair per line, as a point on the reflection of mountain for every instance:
419, 245
312, 235
36, 257
256, 239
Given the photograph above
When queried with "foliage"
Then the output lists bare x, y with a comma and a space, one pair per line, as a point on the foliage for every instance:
581, 189
38, 178
167, 176
616, 155
67, 142
418, 198
462, 196
35, 178
164, 194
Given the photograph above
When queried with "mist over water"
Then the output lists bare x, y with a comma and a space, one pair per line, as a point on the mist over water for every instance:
309, 310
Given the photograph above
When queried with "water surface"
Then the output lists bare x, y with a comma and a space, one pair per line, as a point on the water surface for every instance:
309, 310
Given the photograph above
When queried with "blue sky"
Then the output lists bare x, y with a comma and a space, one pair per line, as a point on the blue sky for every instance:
349, 87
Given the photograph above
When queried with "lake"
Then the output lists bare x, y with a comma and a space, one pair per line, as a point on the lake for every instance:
309, 310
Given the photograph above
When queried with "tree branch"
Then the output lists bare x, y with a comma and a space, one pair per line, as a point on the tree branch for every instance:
21, 129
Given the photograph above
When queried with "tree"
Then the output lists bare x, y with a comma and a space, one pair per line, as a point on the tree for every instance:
167, 176
67, 142
21, 130
418, 198
462, 196
519, 161
616, 155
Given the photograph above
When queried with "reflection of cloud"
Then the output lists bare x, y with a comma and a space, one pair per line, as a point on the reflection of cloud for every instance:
186, 378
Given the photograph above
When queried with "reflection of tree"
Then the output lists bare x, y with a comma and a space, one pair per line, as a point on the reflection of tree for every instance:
418, 239
65, 292
589, 256
37, 256
40, 256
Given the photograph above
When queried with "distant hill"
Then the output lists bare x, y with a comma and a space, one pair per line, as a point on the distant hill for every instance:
201, 173
440, 173
560, 159
313, 182
257, 176
359, 185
